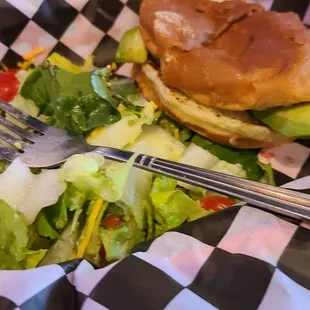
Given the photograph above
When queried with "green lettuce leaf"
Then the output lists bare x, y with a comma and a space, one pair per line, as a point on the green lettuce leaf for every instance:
36, 241
3, 165
164, 184
33, 258
55, 218
156, 141
136, 194
8, 262
118, 242
76, 221
88, 173
126, 130
63, 249
117, 175
169, 203
149, 220
78, 167
43, 226
13, 238
114, 209
206, 161
74, 198
230, 169
247, 158
173, 207
268, 177
24, 105
58, 213
28, 193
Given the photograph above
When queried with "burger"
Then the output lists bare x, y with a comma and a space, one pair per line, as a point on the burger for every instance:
230, 71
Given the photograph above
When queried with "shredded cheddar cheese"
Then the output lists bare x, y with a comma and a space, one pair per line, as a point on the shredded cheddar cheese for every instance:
90, 228
120, 108
4, 67
34, 53
114, 66
177, 134
89, 63
95, 133
18, 145
24, 65
29, 57
154, 105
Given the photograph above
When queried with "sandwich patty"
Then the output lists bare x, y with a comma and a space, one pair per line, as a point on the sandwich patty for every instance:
234, 128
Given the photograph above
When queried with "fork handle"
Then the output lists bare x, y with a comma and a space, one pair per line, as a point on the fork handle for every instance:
280, 200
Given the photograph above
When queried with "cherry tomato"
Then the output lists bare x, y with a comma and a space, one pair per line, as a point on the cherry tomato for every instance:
216, 202
111, 221
9, 85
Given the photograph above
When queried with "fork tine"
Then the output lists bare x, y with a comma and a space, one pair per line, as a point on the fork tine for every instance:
23, 117
10, 139
8, 154
19, 131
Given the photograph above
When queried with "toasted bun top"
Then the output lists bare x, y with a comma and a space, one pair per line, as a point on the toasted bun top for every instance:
231, 55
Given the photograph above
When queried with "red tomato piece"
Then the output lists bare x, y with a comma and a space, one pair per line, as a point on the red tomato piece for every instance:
216, 202
111, 221
9, 85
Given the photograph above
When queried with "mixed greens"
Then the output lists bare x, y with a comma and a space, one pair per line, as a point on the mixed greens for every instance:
90, 207
68, 99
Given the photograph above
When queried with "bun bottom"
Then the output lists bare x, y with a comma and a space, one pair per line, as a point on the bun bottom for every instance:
235, 129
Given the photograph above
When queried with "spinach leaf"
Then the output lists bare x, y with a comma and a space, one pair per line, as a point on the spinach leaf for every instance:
247, 158
71, 84
98, 112
84, 113
69, 115
69, 100
40, 87
100, 82
129, 105
123, 87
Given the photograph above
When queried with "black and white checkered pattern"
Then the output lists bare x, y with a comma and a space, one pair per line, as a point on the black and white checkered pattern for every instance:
78, 28
240, 258
74, 28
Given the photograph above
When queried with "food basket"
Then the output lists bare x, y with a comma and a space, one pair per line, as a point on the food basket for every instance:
239, 258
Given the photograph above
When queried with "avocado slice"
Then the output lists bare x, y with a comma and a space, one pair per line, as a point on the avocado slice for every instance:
131, 48
293, 121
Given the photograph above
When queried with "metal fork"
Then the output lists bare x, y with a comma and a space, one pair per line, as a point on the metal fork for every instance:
47, 146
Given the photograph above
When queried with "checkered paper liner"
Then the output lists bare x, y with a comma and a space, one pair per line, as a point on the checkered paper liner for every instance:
240, 258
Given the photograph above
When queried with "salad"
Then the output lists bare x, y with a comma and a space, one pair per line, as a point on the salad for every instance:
91, 207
